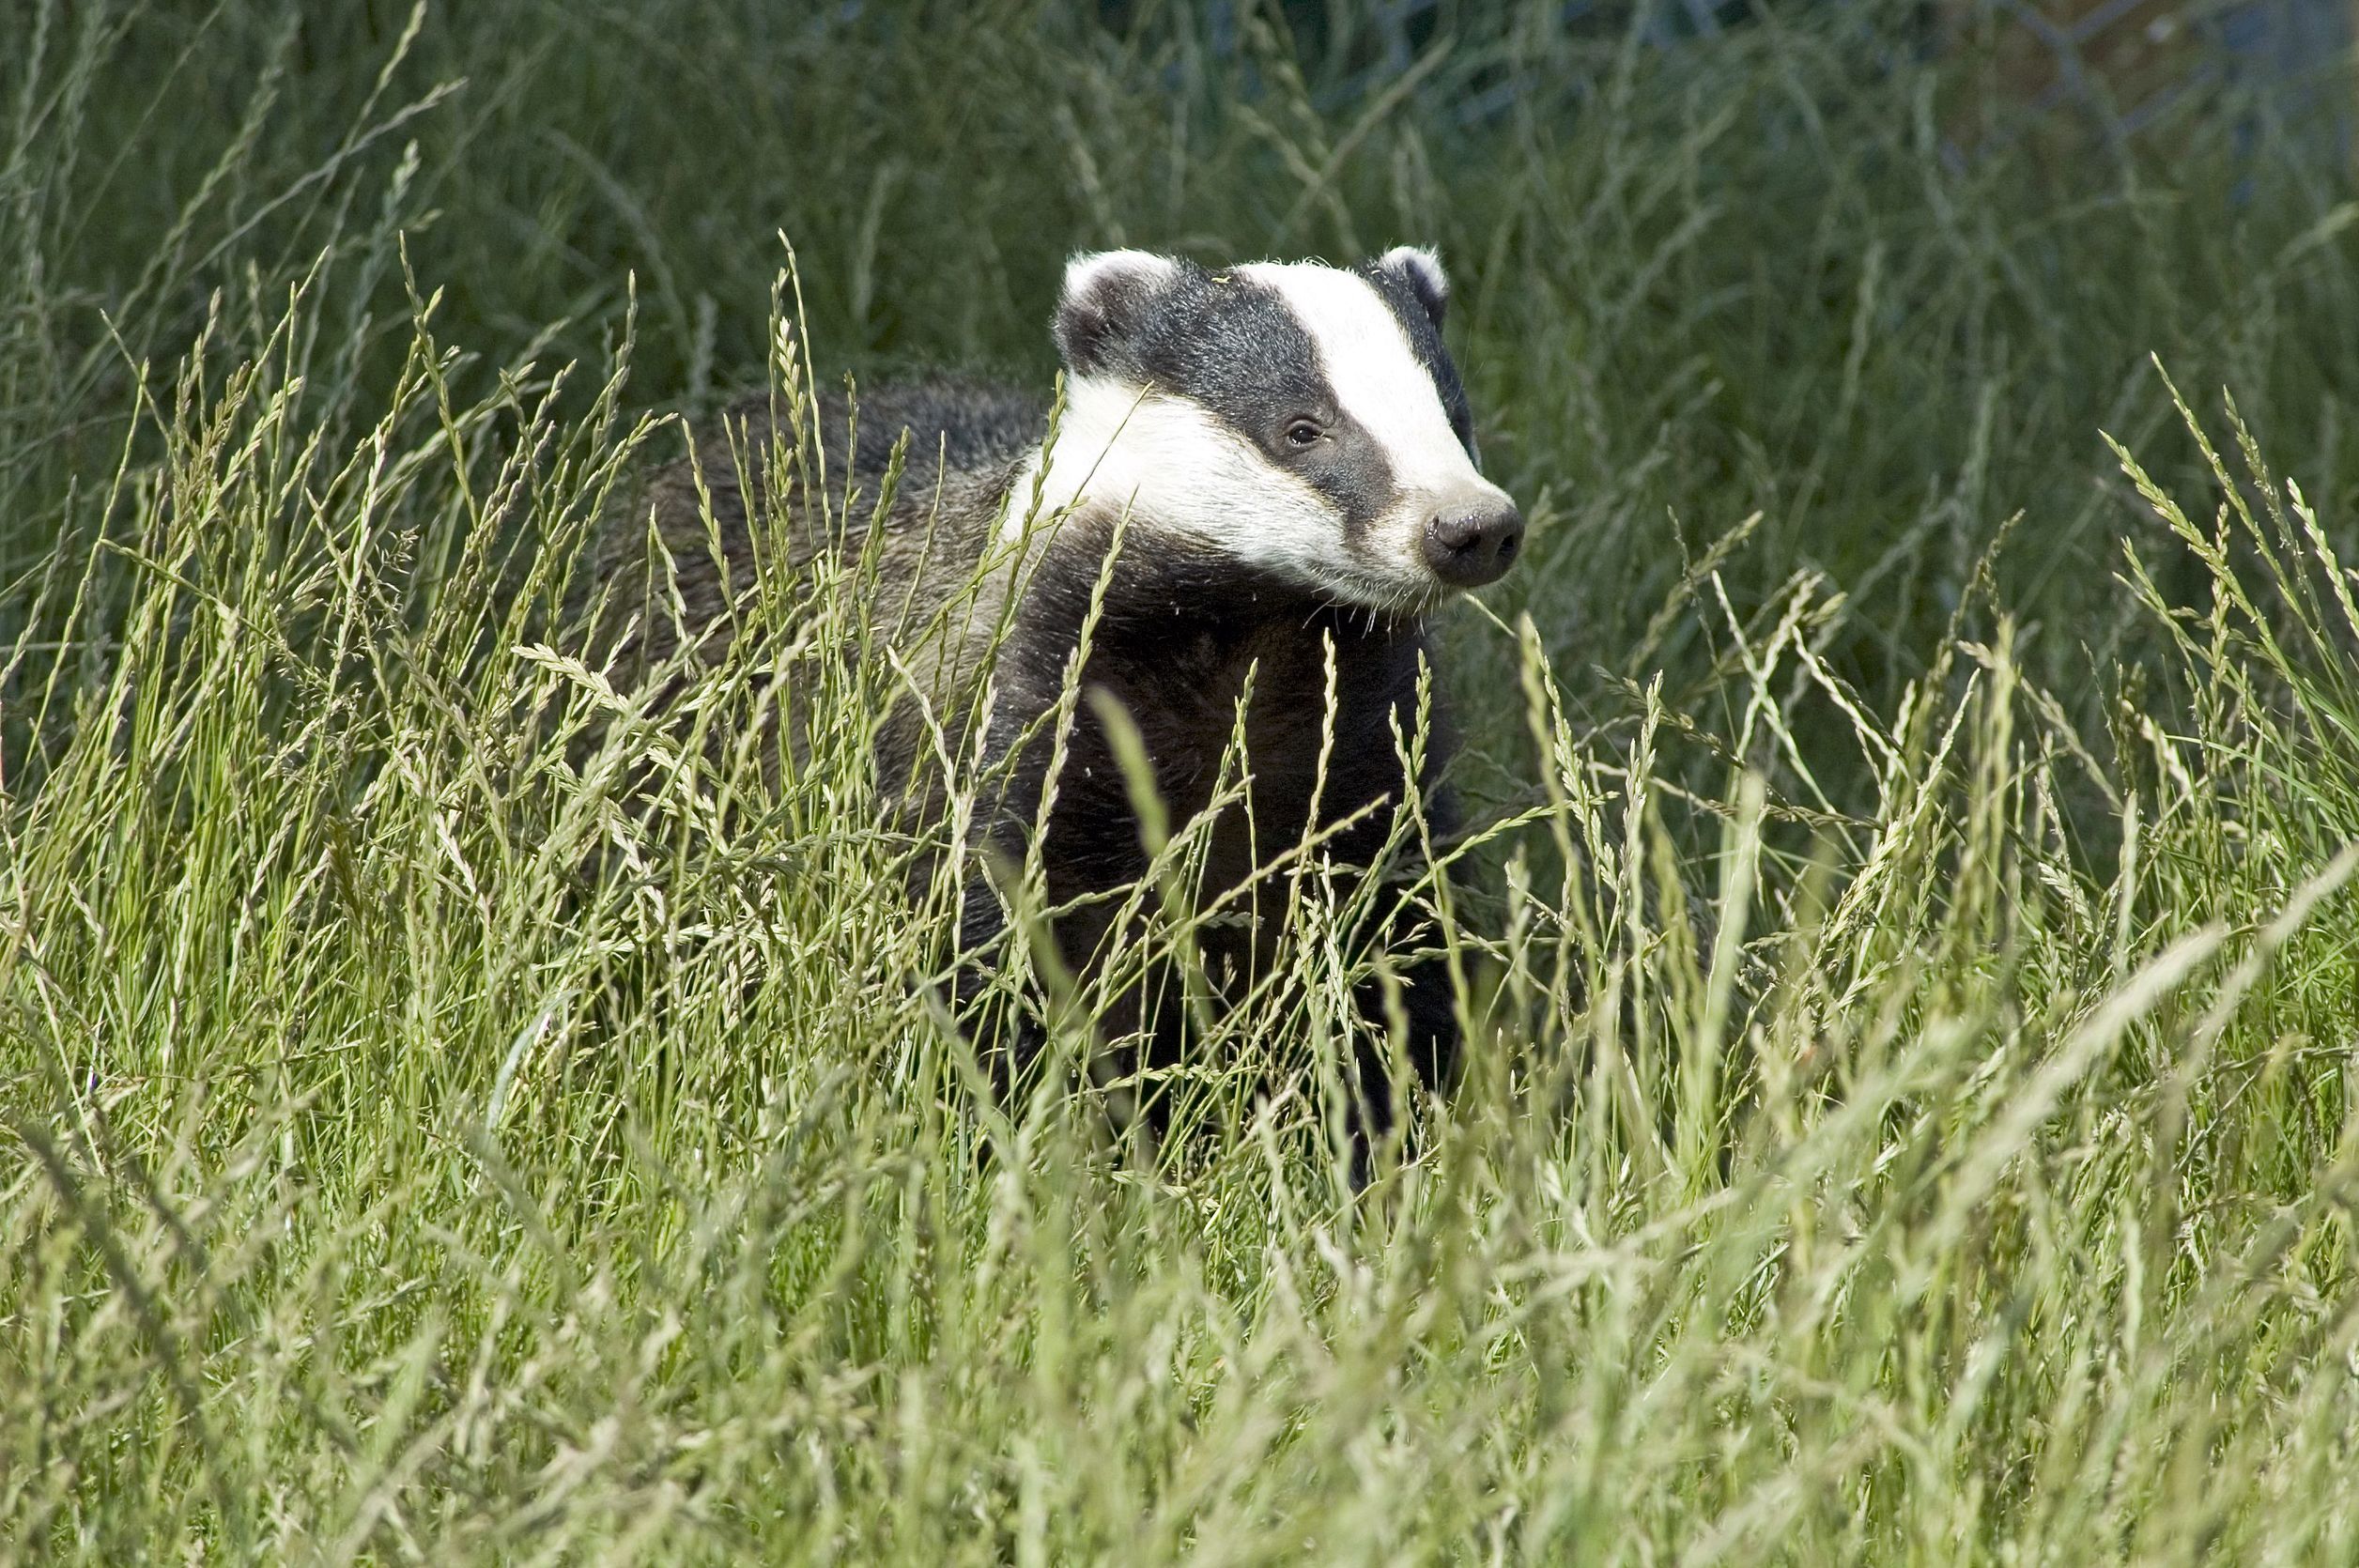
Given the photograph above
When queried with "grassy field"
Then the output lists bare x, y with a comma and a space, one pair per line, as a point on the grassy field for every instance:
1909, 945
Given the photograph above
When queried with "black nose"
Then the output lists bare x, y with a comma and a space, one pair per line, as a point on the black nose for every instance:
1468, 546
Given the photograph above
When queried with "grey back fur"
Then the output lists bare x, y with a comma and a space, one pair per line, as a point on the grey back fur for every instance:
682, 560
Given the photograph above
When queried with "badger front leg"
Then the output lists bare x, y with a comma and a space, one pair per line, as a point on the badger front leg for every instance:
1412, 1022
1005, 1033
1134, 1028
1409, 1006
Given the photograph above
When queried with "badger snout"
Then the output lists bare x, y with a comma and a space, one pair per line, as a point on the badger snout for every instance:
1474, 543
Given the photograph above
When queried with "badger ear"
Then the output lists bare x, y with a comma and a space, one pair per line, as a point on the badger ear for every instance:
1106, 296
1416, 269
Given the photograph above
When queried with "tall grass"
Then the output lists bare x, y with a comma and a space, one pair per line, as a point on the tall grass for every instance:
1910, 974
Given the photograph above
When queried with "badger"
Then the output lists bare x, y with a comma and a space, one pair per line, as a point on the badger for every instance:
1261, 484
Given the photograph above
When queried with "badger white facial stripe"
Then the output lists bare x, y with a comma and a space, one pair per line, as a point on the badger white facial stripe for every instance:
1374, 374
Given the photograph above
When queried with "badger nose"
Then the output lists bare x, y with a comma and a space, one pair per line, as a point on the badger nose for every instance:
1469, 546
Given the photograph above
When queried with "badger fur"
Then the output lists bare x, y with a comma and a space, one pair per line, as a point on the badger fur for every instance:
1285, 453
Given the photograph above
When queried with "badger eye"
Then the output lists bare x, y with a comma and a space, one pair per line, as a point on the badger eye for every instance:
1304, 432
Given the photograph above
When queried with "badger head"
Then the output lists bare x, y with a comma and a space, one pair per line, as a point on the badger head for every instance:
1303, 420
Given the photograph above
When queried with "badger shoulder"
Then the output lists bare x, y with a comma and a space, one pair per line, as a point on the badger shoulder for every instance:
917, 470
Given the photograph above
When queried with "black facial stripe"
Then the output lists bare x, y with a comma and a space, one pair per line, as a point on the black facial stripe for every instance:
1425, 341
1349, 468
1234, 347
